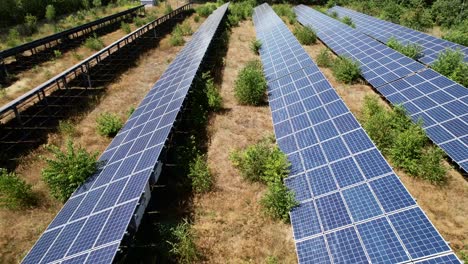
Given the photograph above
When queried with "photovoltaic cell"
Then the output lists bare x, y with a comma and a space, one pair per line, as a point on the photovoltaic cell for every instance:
337, 174
90, 226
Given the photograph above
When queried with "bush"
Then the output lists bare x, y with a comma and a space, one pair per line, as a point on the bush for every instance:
456, 36
450, 63
215, 101
431, 167
125, 27
448, 12
168, 9
413, 51
57, 54
108, 124
200, 175
66, 128
85, 4
407, 148
97, 3
68, 169
391, 12
30, 24
324, 58
206, 9
196, 18
14, 192
278, 201
50, 13
183, 29
255, 46
139, 21
250, 85
94, 43
348, 21
184, 248
419, 19
176, 39
285, 11
345, 69
242, 10
233, 20
13, 39
305, 35
334, 14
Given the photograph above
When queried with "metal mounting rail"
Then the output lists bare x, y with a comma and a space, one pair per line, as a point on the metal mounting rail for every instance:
60, 81
65, 35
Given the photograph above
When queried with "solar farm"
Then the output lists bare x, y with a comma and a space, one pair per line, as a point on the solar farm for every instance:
234, 140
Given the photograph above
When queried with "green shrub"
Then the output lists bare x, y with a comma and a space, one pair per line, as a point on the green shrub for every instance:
278, 201
57, 53
125, 27
285, 11
391, 12
50, 13
66, 128
431, 167
196, 18
200, 175
448, 12
30, 24
345, 69
14, 192
407, 149
139, 21
413, 51
184, 248
130, 111
215, 101
456, 36
419, 19
348, 21
242, 10
68, 169
108, 124
85, 4
377, 123
206, 9
272, 260
94, 43
255, 46
305, 35
334, 14
97, 3
450, 63
233, 20
168, 9
176, 39
324, 58
184, 29
250, 85
13, 39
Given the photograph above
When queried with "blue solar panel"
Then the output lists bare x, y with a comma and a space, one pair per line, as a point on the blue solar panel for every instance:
339, 177
384, 30
426, 95
93, 221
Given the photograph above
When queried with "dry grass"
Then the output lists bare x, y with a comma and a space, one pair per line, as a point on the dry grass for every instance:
446, 206
229, 221
20, 229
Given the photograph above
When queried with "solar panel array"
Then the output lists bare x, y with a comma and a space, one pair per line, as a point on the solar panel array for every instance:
92, 223
383, 30
353, 208
441, 103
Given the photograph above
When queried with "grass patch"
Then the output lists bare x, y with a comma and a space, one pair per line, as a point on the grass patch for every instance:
250, 85
450, 63
200, 175
413, 51
108, 124
324, 58
68, 169
184, 248
94, 43
305, 35
345, 70
403, 141
255, 46
15, 192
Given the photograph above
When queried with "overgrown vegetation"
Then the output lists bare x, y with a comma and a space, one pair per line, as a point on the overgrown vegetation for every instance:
183, 29
324, 58
68, 169
345, 69
413, 51
250, 85
168, 9
404, 142
50, 13
15, 192
240, 11
206, 9
215, 101
94, 43
200, 175
264, 162
183, 248
451, 64
125, 27
255, 46
305, 35
285, 11
348, 21
108, 124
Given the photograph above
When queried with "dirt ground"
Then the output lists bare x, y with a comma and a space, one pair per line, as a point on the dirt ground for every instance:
229, 221
447, 205
20, 229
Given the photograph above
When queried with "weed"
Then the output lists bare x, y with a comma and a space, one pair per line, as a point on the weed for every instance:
345, 69
413, 51
200, 175
206, 9
50, 13
68, 169
184, 247
271, 260
334, 14
305, 35
57, 54
255, 46
242, 10
130, 111
94, 43
456, 36
108, 124
125, 27
66, 128
431, 167
196, 18
139, 21
77, 56
348, 21
278, 201
30, 24
176, 39
450, 63
215, 101
285, 11
233, 20
168, 9
13, 39
324, 58
14, 192
250, 85
97, 3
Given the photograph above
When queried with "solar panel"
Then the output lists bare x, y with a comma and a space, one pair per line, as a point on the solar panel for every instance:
351, 202
92, 223
383, 30
439, 102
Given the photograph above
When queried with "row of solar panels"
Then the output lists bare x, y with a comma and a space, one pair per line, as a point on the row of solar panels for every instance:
441, 103
92, 223
66, 34
353, 208
383, 30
